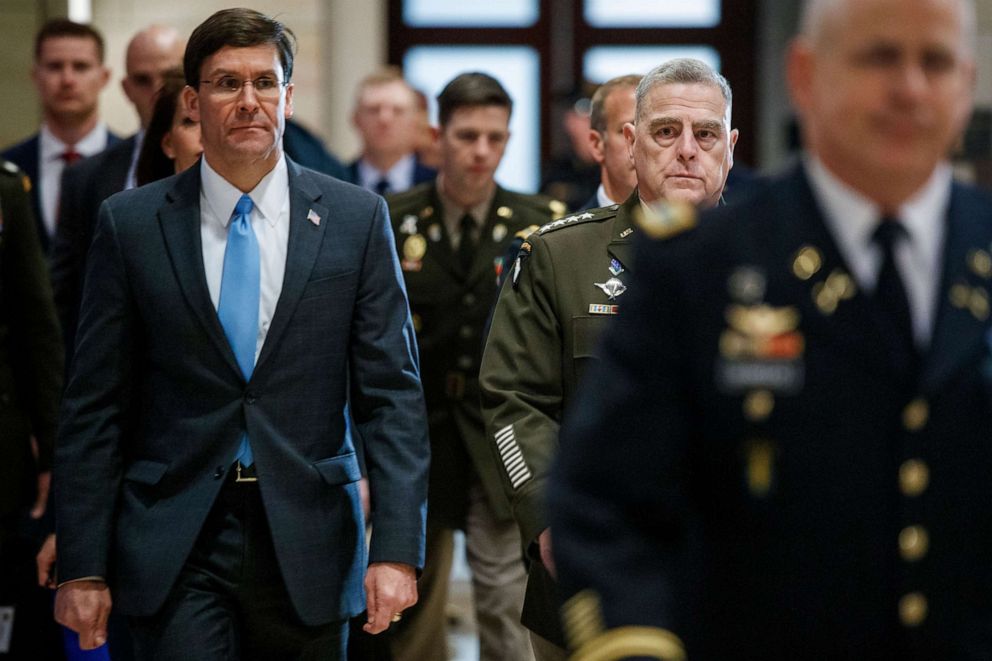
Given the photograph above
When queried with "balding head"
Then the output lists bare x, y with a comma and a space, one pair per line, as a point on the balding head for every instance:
150, 53
883, 89
821, 18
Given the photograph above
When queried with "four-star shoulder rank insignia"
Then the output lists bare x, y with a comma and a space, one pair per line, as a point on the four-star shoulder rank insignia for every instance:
665, 220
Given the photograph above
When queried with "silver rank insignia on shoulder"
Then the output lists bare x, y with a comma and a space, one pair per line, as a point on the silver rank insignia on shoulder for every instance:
409, 224
616, 268
499, 232
627, 232
612, 287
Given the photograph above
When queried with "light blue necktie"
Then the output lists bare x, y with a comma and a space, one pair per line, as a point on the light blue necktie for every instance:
239, 293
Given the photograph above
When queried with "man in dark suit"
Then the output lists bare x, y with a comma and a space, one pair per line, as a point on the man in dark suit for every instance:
30, 383
570, 281
85, 185
205, 470
450, 234
612, 106
386, 118
69, 74
783, 452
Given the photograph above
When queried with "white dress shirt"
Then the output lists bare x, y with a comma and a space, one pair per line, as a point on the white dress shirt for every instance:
602, 199
270, 222
852, 218
51, 165
400, 176
131, 180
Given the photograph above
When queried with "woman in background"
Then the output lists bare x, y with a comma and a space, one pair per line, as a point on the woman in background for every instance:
172, 141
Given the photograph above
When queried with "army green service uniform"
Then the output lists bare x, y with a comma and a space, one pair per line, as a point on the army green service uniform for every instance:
450, 307
566, 285
30, 385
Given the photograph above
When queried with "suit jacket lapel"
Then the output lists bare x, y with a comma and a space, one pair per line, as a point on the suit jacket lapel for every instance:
961, 322
180, 223
848, 320
620, 246
487, 249
440, 251
305, 239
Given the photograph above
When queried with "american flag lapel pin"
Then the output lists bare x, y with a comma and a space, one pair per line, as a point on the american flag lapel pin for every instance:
313, 217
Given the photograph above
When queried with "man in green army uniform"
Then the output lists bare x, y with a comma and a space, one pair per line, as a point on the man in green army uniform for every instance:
451, 234
30, 385
565, 285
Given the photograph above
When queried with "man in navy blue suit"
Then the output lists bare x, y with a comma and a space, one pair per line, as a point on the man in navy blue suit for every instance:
783, 450
232, 315
386, 117
69, 74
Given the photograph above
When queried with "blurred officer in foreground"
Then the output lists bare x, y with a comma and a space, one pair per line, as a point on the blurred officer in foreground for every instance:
30, 383
450, 234
566, 285
784, 452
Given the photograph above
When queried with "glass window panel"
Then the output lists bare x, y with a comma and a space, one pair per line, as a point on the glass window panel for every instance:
430, 68
460, 13
652, 13
601, 63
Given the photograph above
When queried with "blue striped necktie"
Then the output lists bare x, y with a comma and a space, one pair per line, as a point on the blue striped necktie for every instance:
239, 293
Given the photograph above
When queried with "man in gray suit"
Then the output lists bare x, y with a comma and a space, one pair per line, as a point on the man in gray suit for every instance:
205, 470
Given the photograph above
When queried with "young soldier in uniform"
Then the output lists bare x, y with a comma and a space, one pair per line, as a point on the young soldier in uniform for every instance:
450, 236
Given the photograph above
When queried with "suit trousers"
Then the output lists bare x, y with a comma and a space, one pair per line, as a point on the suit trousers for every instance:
230, 601
498, 582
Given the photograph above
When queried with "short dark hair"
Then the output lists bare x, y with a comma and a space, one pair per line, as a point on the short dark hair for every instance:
471, 89
153, 164
240, 28
597, 116
63, 27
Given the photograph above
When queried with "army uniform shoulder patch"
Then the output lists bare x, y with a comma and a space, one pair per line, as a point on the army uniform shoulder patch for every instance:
592, 215
665, 220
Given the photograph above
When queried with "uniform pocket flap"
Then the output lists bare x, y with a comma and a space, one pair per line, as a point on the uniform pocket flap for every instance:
146, 471
340, 469
587, 331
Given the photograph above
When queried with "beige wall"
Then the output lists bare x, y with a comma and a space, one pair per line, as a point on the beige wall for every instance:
339, 41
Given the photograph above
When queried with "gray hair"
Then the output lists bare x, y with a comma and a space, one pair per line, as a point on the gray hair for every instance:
684, 70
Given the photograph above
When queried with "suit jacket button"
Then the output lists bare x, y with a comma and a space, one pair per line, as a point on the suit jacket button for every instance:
219, 472
249, 397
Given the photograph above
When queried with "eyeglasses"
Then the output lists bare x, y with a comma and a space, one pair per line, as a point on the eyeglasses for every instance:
266, 87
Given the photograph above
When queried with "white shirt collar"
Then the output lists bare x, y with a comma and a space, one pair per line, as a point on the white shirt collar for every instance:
268, 197
602, 199
852, 218
400, 176
92, 143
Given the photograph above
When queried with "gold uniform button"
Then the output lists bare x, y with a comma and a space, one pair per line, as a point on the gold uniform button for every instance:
914, 477
758, 405
913, 543
913, 609
916, 414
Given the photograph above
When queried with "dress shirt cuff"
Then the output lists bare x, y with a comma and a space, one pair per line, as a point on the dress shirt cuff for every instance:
100, 579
